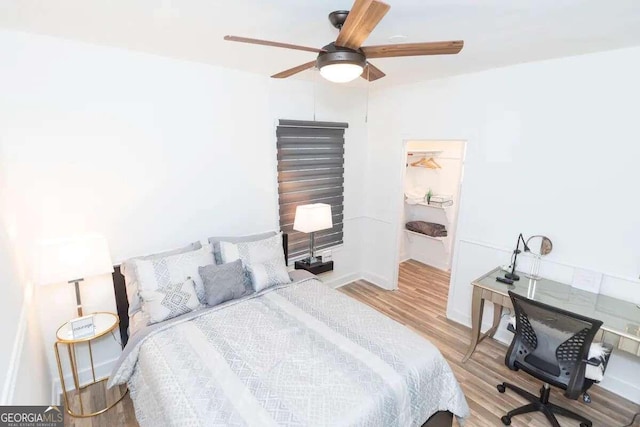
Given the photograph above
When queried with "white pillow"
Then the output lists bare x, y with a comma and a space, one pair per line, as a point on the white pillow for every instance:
158, 273
263, 259
169, 301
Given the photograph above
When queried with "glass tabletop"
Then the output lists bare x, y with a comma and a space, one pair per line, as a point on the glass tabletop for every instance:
618, 316
103, 322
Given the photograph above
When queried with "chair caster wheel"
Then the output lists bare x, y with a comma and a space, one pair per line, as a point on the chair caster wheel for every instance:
586, 398
506, 420
501, 388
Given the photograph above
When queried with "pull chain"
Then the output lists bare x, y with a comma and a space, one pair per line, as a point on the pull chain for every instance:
366, 114
315, 90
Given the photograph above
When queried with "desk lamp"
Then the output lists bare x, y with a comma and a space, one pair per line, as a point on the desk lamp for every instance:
514, 258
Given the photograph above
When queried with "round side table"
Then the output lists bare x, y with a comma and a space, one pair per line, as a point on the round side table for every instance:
104, 323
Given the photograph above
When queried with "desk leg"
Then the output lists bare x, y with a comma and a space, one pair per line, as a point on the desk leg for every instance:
497, 315
477, 308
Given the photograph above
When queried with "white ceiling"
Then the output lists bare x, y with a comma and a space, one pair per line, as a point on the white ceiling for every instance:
496, 32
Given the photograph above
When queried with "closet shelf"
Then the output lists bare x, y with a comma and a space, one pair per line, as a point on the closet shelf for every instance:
440, 239
423, 152
427, 205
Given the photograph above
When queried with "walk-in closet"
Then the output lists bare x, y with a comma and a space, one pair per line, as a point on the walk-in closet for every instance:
434, 171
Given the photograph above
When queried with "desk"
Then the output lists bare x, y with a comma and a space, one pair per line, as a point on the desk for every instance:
621, 319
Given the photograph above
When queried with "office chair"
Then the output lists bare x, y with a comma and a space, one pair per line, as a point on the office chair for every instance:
552, 345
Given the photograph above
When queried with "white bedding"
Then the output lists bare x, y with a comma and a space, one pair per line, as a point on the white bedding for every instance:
296, 355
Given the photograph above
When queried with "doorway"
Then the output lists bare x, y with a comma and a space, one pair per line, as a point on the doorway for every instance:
432, 181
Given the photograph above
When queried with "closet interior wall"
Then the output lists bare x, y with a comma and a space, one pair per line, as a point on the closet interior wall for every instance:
444, 180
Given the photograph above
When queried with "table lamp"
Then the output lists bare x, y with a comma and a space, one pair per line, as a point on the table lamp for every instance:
312, 218
72, 260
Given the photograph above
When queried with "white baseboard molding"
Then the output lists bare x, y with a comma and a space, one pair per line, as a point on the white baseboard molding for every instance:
377, 280
342, 280
9, 385
611, 383
103, 370
621, 387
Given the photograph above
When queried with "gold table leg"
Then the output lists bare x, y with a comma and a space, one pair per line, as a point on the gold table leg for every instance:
73, 361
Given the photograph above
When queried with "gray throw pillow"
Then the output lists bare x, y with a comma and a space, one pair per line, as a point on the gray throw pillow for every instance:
223, 282
215, 241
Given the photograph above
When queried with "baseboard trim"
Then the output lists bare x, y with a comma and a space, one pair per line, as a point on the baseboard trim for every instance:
377, 280
103, 370
342, 280
9, 386
55, 398
622, 388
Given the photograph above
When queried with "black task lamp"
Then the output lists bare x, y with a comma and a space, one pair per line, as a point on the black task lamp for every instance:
514, 257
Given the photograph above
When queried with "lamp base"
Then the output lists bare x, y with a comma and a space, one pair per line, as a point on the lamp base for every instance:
311, 261
512, 276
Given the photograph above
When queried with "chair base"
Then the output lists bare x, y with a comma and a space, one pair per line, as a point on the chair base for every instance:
540, 403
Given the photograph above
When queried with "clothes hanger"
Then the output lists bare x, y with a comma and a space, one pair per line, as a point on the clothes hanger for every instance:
433, 162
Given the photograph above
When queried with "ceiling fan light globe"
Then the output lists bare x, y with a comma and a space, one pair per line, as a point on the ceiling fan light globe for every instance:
341, 73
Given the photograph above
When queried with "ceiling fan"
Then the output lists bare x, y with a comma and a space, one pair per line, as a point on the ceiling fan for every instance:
346, 59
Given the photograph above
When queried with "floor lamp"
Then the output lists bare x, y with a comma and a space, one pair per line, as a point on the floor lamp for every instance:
72, 260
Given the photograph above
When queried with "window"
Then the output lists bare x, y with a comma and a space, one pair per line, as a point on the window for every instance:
310, 170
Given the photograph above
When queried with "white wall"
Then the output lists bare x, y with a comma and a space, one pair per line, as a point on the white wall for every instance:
24, 376
153, 153
550, 150
12, 299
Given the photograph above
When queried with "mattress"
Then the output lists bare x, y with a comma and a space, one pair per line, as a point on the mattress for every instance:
299, 354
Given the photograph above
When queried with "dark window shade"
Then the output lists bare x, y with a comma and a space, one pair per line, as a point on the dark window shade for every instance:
310, 170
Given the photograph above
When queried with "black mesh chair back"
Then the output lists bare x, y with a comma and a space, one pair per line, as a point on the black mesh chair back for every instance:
551, 344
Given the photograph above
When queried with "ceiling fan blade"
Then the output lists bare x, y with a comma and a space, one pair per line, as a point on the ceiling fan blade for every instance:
413, 49
372, 73
270, 43
295, 70
362, 19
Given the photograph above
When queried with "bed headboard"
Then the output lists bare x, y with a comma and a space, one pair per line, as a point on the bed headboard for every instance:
122, 303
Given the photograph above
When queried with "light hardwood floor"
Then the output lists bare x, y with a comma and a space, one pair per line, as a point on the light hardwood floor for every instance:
420, 304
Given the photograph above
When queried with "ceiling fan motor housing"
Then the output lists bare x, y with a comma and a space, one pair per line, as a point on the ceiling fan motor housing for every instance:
340, 55
338, 17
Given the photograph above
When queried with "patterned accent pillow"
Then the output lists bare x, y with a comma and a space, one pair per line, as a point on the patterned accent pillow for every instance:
158, 273
170, 301
223, 282
268, 273
263, 260
215, 241
128, 270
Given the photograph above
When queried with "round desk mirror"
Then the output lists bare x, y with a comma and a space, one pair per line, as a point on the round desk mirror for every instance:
538, 246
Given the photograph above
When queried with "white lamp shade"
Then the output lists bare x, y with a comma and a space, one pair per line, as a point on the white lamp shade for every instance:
63, 260
315, 217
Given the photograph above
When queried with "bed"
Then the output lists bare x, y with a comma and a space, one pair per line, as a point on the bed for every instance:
297, 354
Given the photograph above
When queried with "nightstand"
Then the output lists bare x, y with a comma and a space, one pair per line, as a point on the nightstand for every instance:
315, 268
104, 324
